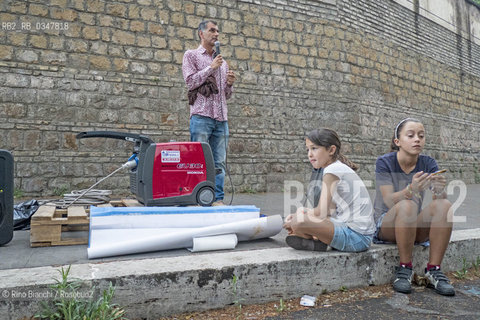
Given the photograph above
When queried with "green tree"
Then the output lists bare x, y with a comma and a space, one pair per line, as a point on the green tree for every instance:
477, 2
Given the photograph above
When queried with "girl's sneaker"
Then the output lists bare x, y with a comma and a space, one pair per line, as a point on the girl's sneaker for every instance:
403, 279
299, 243
439, 281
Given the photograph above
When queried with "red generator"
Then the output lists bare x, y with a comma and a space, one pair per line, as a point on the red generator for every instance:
167, 174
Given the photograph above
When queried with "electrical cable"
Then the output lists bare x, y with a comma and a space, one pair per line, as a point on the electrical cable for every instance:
92, 197
89, 196
85, 192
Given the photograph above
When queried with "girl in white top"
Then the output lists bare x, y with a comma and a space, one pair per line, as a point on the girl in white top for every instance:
343, 217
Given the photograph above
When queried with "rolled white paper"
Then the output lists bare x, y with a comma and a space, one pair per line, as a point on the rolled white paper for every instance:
221, 242
114, 242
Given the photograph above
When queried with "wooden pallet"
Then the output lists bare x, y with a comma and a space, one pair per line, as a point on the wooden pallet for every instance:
51, 226
48, 223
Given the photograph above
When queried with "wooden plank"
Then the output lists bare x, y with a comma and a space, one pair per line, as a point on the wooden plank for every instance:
44, 213
45, 233
131, 203
75, 227
105, 205
70, 242
62, 242
117, 203
40, 244
77, 212
60, 213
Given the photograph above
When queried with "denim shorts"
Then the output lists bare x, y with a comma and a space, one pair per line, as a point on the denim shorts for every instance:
346, 239
377, 240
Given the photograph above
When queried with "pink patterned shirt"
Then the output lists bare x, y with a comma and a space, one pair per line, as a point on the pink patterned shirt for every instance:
196, 69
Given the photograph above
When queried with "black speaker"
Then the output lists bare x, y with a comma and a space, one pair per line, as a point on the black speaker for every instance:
6, 197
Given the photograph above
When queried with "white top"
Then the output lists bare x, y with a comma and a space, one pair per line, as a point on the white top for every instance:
354, 207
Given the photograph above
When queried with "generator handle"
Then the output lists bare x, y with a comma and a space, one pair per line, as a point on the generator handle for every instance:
115, 135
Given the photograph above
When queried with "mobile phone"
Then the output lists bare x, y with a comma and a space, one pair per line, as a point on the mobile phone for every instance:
438, 172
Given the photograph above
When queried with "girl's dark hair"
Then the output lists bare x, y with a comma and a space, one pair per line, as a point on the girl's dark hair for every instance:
326, 137
398, 129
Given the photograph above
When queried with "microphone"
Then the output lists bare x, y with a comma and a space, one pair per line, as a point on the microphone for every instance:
217, 49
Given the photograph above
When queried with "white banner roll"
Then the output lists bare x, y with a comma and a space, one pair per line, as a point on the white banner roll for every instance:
221, 242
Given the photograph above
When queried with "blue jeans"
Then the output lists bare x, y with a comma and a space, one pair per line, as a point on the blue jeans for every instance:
215, 133
346, 239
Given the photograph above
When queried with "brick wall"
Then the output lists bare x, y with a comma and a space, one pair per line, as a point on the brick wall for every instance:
356, 66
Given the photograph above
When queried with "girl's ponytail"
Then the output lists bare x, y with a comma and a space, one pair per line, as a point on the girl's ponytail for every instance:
347, 161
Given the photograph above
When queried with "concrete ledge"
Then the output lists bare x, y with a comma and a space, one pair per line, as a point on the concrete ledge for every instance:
152, 287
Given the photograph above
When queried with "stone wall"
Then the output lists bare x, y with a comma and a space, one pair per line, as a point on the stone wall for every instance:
356, 66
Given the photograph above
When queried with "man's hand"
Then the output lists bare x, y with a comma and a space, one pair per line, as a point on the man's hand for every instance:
217, 62
230, 78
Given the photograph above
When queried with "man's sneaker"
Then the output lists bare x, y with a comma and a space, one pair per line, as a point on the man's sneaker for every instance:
439, 281
299, 243
403, 280
218, 203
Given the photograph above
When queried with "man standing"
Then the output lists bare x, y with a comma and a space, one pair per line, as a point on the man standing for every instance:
210, 85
